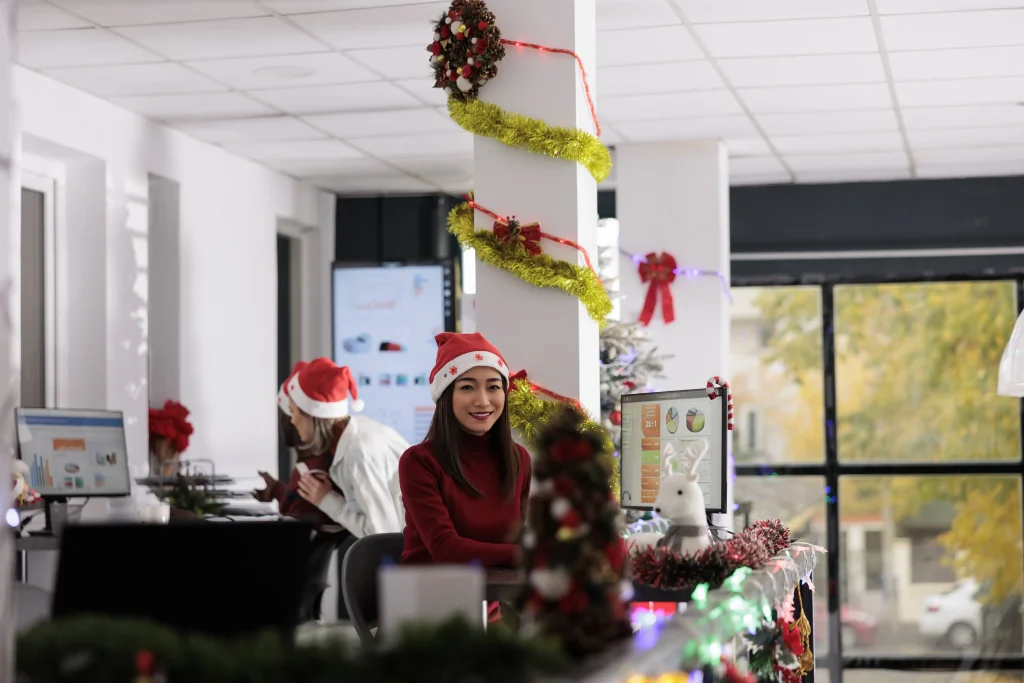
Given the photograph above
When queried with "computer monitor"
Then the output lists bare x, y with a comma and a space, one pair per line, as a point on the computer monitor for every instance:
74, 453
687, 419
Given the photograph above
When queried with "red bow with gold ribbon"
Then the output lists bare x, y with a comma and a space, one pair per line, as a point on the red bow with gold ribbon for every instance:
513, 231
659, 271
521, 376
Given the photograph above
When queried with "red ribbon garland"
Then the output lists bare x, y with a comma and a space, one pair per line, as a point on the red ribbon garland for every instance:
658, 271
538, 389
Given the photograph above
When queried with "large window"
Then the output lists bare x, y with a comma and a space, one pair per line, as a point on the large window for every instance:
881, 437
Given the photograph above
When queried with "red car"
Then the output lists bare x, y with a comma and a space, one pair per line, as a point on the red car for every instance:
859, 627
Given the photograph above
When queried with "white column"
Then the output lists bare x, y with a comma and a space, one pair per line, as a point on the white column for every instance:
542, 330
674, 198
10, 341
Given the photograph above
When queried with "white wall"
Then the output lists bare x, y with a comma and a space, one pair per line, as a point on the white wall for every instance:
224, 358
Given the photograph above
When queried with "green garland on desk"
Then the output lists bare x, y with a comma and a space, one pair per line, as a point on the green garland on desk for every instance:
102, 649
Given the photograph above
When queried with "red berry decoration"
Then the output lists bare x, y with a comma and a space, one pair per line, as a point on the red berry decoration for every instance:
465, 35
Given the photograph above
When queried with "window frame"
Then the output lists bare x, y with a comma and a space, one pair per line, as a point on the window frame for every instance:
835, 471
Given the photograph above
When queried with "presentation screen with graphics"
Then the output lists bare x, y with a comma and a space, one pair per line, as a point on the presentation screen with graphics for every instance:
385, 319
74, 452
688, 421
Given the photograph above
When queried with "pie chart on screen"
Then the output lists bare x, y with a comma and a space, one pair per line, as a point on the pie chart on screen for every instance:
695, 420
672, 420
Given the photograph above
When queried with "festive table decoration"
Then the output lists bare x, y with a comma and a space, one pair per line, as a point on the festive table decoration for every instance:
776, 649
540, 270
658, 272
466, 49
753, 548
169, 433
192, 494
576, 560
719, 387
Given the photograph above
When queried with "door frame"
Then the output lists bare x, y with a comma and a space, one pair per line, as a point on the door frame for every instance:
47, 186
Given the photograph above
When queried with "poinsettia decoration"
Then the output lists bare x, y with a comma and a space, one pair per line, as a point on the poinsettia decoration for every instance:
775, 650
466, 49
171, 424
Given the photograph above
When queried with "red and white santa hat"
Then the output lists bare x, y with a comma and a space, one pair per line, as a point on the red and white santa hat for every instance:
457, 353
323, 389
283, 401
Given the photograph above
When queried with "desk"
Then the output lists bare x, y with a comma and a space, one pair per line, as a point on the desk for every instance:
504, 584
23, 545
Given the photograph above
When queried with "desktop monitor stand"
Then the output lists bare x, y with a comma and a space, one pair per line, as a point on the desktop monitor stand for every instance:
47, 529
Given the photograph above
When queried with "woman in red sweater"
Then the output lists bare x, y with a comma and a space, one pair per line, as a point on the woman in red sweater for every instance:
465, 488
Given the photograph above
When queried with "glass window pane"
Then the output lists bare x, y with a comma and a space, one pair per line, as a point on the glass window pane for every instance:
916, 371
935, 562
800, 503
776, 358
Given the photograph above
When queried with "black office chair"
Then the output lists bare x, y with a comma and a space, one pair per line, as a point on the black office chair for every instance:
359, 583
324, 545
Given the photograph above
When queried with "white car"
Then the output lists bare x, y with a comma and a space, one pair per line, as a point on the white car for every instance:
954, 616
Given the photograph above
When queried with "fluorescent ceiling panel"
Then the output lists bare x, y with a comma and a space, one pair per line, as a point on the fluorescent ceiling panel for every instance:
256, 73
789, 38
223, 39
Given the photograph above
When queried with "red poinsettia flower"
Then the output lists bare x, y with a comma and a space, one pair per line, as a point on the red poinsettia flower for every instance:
791, 637
171, 423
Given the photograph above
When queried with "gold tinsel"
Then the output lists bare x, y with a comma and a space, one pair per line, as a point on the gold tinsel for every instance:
539, 271
529, 413
533, 135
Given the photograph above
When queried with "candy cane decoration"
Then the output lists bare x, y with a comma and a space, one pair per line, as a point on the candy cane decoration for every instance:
719, 387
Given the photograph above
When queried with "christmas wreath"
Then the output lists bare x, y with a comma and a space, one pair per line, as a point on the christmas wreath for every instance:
466, 49
776, 652
753, 547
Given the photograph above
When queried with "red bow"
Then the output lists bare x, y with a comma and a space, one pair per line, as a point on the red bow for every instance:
659, 271
512, 231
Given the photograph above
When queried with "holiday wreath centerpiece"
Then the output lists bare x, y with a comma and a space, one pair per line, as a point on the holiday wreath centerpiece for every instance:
466, 49
169, 434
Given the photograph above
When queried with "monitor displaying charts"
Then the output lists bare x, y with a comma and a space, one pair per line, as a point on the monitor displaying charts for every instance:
74, 453
690, 422
385, 320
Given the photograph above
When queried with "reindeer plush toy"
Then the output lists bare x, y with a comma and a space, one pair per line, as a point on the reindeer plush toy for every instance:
681, 501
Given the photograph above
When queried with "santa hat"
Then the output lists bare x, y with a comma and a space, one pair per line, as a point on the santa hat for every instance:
283, 400
457, 353
322, 389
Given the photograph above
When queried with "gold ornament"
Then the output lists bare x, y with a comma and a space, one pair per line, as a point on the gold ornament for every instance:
539, 271
806, 660
533, 135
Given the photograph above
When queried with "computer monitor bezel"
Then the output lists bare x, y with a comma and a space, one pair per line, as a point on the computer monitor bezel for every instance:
124, 439
654, 396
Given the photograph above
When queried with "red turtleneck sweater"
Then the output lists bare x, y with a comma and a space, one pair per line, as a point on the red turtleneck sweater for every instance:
445, 523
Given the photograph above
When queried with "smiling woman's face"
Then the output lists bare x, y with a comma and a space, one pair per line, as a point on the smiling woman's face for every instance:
478, 399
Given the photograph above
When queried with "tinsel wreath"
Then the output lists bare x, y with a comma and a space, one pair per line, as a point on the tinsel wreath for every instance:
531, 415
533, 135
575, 556
753, 547
466, 49
539, 271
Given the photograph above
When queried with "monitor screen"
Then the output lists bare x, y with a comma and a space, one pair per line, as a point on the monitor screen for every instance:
385, 320
685, 419
74, 452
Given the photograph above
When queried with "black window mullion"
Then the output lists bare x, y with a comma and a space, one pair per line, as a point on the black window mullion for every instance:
835, 649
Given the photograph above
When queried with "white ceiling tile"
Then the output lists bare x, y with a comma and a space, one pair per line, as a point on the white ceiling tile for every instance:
400, 122
688, 129
975, 155
313, 168
609, 135
374, 185
429, 167
294, 150
847, 162
424, 90
255, 73
335, 98
777, 178
853, 176
221, 105
397, 62
747, 147
668, 106
406, 146
937, 118
135, 12
962, 170
954, 93
79, 47
985, 62
310, 6
953, 30
258, 37
658, 78
912, 6
623, 14
269, 129
755, 166
869, 121
832, 144
645, 46
36, 15
816, 98
789, 38
718, 11
764, 72
374, 28
163, 78
967, 137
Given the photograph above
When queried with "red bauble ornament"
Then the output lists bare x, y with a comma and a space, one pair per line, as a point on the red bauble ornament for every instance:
446, 32
482, 26
615, 417
460, 36
466, 71
435, 49
571, 519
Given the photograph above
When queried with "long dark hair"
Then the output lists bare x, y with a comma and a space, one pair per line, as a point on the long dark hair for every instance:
445, 435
